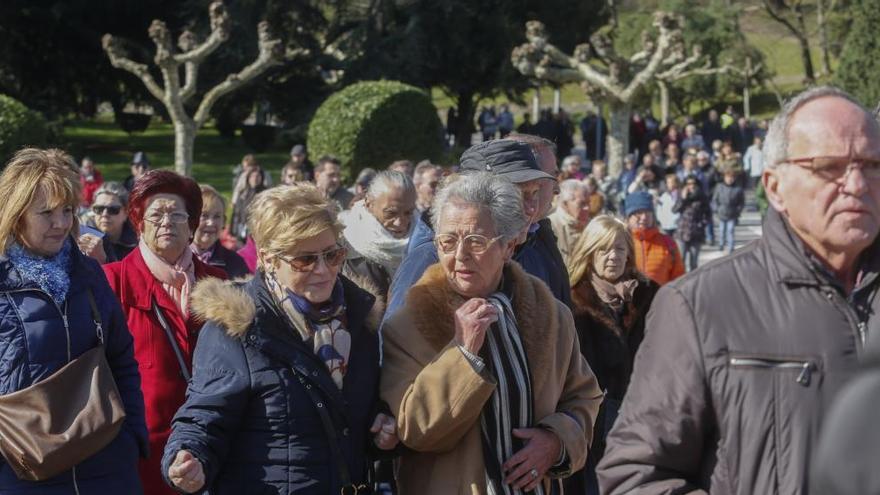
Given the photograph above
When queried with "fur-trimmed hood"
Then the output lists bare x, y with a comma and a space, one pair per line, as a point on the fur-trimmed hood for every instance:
433, 304
232, 304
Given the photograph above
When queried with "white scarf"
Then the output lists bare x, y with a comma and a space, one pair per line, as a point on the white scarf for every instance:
370, 239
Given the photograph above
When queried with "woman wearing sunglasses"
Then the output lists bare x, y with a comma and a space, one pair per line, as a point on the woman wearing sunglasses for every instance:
284, 394
110, 216
154, 283
482, 363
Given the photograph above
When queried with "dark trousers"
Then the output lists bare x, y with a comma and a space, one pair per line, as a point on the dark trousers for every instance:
690, 253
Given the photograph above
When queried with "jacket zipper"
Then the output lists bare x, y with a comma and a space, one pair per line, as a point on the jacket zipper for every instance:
75, 485
63, 313
857, 326
805, 366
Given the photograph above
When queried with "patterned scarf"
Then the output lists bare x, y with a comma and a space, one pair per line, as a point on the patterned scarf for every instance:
52, 274
323, 323
511, 404
177, 279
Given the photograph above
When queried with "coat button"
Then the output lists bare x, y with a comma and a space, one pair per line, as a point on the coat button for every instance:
252, 338
345, 432
314, 373
320, 404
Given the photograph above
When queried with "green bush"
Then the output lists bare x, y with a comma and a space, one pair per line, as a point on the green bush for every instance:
19, 126
373, 123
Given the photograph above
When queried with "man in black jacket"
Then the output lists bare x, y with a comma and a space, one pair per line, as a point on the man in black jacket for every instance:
742, 357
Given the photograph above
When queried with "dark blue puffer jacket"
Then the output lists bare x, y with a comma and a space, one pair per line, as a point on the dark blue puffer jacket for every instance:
247, 417
33, 346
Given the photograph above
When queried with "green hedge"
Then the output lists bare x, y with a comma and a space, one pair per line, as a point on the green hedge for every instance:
373, 123
19, 127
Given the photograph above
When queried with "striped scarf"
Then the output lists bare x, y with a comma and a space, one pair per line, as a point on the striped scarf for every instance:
511, 405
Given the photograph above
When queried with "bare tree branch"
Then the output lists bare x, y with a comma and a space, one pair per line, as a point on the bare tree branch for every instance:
120, 61
271, 53
220, 26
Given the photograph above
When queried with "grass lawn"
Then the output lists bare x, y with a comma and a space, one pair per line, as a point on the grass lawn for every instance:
112, 149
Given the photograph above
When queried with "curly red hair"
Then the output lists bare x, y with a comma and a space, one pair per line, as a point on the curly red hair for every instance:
168, 182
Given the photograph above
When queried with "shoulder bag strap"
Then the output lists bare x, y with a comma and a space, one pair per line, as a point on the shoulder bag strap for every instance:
184, 372
330, 430
96, 316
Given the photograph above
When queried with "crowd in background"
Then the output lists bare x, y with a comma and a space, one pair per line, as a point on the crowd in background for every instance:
483, 327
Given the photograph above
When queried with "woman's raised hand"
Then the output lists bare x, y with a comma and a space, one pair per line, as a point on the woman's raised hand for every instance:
472, 320
186, 472
384, 431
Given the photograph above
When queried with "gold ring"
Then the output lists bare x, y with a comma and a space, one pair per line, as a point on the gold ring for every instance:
534, 473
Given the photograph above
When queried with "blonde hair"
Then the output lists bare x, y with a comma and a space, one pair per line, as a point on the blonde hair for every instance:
210, 196
50, 171
282, 217
599, 234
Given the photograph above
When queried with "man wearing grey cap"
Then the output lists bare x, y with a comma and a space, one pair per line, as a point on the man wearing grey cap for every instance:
512, 160
299, 160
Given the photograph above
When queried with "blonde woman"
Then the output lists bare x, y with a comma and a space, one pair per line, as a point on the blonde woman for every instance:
47, 319
284, 394
611, 299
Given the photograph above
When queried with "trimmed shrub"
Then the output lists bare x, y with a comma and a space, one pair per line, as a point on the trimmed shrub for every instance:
19, 127
373, 123
857, 72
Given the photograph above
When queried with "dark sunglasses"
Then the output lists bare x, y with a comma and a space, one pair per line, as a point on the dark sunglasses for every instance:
111, 210
307, 262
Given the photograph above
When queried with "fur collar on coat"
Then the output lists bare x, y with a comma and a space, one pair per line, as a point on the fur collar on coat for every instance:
587, 303
230, 304
533, 304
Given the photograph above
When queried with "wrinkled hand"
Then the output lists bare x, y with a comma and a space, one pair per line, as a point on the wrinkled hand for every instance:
471, 321
186, 472
385, 432
93, 247
541, 452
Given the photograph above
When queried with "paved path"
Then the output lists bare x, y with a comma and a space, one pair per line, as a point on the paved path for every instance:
748, 229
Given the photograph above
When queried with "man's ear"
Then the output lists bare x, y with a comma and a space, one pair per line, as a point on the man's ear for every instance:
368, 202
509, 248
770, 179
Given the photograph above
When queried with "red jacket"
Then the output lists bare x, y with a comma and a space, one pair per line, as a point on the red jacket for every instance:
161, 380
89, 187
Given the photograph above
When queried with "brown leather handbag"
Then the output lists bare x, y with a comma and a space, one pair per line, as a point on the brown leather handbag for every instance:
55, 424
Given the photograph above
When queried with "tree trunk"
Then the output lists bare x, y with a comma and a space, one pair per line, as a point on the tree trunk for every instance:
804, 41
747, 107
464, 128
617, 143
823, 37
664, 103
184, 142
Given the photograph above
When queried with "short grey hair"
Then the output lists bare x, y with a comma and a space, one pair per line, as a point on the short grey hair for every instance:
497, 195
423, 167
569, 187
388, 180
571, 159
775, 148
115, 189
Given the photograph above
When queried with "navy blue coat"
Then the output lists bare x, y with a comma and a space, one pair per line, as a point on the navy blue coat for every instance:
249, 420
33, 346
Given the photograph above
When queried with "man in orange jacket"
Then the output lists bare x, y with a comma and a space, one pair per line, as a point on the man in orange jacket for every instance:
657, 255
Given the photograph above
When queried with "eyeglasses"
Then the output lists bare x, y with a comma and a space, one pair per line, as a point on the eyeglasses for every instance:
474, 243
307, 262
111, 210
175, 217
835, 168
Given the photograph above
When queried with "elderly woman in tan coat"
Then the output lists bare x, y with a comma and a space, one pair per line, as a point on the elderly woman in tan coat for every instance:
482, 365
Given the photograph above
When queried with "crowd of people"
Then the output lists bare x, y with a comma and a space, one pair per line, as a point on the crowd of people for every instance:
504, 325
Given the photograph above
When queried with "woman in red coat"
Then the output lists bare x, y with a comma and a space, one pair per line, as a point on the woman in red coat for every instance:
153, 283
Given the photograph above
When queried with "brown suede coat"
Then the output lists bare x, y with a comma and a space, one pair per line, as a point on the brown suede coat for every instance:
438, 397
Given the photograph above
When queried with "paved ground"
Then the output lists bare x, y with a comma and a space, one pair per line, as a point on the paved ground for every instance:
748, 229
